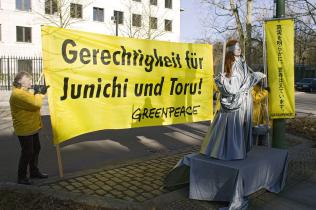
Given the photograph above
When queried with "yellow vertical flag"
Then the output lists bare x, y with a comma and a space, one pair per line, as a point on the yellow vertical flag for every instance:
280, 61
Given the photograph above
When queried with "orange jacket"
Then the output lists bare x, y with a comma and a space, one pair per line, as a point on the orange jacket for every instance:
259, 105
25, 111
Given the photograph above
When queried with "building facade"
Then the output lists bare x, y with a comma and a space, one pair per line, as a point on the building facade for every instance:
20, 20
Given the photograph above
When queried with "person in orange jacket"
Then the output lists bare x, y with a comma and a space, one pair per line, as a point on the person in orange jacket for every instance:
25, 110
259, 114
259, 95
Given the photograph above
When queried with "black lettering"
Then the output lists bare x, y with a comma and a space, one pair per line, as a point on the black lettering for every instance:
85, 53
105, 94
157, 114
152, 112
138, 89
116, 86
95, 52
66, 79
168, 62
149, 63
171, 110
173, 80
105, 54
126, 54
176, 113
71, 52
145, 113
73, 87
99, 88
194, 111
158, 59
136, 115
85, 91
115, 55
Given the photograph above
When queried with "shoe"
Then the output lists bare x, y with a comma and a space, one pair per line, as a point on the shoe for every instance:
39, 175
25, 181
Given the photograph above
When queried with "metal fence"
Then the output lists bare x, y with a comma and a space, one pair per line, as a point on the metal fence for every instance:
11, 65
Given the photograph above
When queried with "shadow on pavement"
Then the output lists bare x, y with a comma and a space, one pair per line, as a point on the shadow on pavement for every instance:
99, 149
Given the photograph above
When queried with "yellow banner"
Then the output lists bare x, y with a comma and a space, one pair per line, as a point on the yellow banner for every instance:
105, 82
280, 60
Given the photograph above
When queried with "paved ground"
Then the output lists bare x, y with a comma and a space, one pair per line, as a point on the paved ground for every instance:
138, 184
127, 169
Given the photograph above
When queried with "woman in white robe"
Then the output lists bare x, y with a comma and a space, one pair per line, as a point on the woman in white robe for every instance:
230, 134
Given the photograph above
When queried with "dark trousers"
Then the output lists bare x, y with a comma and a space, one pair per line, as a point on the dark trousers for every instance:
29, 155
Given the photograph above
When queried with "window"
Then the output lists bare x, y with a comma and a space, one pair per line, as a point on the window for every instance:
119, 16
137, 20
23, 34
25, 65
98, 14
153, 2
168, 4
75, 10
168, 25
24, 5
153, 23
51, 7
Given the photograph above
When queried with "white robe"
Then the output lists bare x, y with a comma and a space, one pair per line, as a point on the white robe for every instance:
230, 134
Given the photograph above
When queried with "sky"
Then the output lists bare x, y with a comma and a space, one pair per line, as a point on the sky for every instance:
191, 20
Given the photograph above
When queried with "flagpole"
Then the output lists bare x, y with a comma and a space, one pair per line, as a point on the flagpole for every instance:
266, 82
60, 165
59, 160
224, 52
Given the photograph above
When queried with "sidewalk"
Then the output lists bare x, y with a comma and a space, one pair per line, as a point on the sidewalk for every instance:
138, 184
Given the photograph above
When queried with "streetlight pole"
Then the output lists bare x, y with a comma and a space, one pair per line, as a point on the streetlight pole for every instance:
278, 139
116, 20
116, 25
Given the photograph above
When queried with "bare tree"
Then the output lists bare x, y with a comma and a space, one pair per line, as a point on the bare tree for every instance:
304, 14
62, 13
233, 18
241, 19
150, 17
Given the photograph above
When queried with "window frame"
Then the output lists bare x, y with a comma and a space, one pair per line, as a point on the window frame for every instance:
96, 15
75, 13
24, 36
51, 7
153, 2
23, 5
155, 23
168, 25
168, 4
134, 23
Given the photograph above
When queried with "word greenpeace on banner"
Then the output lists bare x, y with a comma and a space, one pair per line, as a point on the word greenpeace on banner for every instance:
165, 112
122, 57
118, 89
